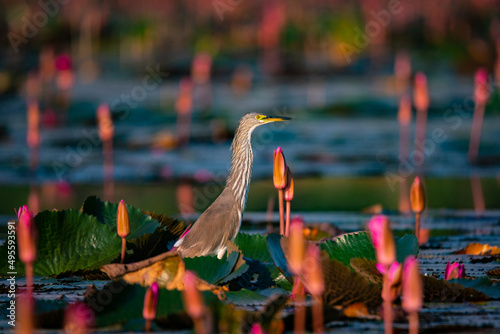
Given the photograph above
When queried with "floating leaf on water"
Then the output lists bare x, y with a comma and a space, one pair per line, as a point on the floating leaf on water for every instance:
482, 284
367, 269
477, 248
436, 290
253, 246
494, 273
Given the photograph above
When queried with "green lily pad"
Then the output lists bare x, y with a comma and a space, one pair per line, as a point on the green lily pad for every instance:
253, 246
276, 251
214, 270
71, 240
359, 245
482, 284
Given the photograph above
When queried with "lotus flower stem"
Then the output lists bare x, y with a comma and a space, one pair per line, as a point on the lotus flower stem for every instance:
413, 323
387, 303
106, 132
289, 190
421, 100
300, 307
26, 239
481, 95
317, 309
282, 211
418, 203
29, 278
417, 225
287, 223
194, 304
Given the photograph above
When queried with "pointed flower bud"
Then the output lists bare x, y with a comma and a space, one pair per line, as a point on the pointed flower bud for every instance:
279, 171
395, 275
26, 235
454, 270
417, 196
313, 271
421, 93
383, 241
481, 93
150, 302
289, 186
192, 298
122, 224
412, 286
297, 246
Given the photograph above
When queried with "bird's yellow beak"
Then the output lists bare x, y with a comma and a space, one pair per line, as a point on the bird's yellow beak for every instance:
267, 119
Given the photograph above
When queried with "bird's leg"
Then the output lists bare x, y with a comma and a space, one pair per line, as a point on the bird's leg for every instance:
282, 212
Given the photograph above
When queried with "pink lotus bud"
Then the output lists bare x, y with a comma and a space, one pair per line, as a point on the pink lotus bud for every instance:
454, 270
79, 318
256, 329
26, 235
279, 171
412, 286
417, 196
289, 186
105, 122
383, 241
150, 302
481, 92
122, 222
297, 246
421, 93
395, 275
192, 298
313, 271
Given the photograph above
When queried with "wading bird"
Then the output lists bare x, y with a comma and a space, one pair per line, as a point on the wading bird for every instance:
222, 220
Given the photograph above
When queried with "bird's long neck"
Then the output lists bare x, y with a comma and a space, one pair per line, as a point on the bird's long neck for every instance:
241, 166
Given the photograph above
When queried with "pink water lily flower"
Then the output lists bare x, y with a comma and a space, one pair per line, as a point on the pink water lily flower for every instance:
454, 270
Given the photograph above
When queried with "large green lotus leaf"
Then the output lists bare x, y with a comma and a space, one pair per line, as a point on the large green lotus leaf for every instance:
253, 246
359, 245
214, 270
119, 303
482, 284
71, 240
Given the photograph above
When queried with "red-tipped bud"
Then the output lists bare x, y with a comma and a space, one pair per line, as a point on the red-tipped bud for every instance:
481, 92
122, 222
150, 302
33, 133
78, 318
383, 241
421, 93
256, 329
412, 286
279, 170
395, 275
105, 122
297, 246
404, 112
417, 196
313, 271
454, 270
289, 185
26, 235
192, 298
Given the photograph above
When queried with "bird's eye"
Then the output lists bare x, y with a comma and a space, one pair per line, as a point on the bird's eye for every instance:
260, 118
